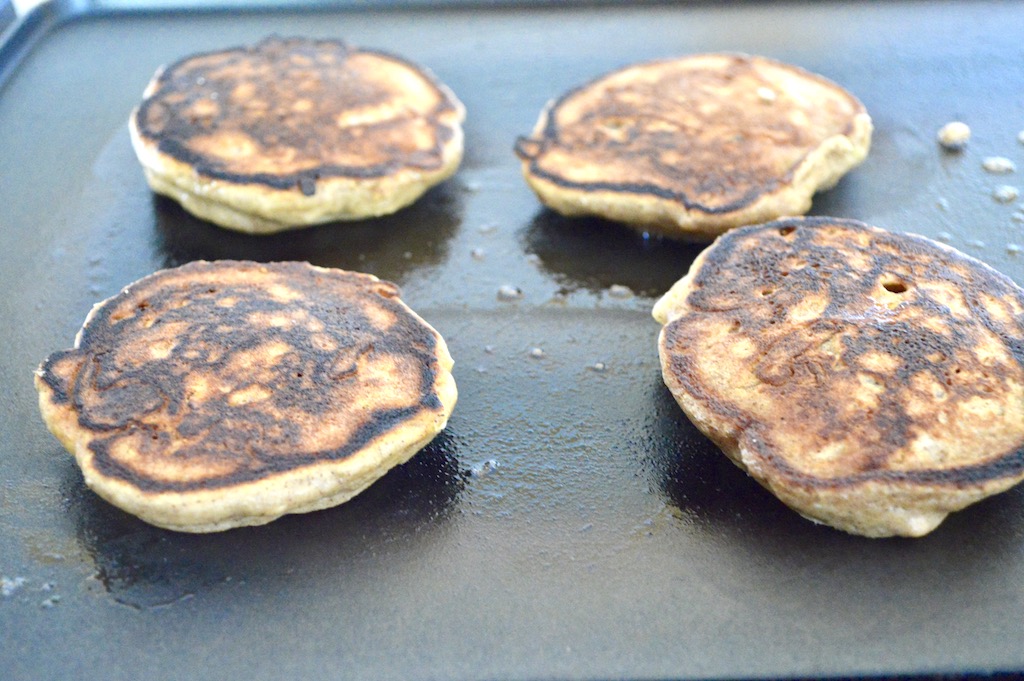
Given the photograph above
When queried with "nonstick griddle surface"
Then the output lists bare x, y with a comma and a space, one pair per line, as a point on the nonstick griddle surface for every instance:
570, 523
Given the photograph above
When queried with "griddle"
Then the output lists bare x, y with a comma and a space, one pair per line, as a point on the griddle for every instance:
570, 523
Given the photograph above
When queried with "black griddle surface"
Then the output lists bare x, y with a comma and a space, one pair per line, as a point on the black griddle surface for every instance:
570, 523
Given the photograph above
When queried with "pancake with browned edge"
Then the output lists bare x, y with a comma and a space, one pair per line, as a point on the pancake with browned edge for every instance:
222, 394
872, 381
691, 147
295, 132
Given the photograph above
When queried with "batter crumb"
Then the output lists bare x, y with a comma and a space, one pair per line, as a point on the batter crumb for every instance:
953, 136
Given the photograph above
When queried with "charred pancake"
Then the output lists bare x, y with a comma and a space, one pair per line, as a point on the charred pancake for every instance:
872, 381
295, 132
222, 394
691, 147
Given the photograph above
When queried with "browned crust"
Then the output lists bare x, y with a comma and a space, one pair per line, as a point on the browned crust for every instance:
936, 335
284, 97
720, 167
294, 337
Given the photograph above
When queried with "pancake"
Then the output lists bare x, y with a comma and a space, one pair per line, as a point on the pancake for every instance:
295, 132
871, 381
222, 394
691, 147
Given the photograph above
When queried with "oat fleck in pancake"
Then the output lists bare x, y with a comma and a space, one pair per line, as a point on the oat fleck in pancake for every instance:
689, 148
222, 394
295, 132
872, 381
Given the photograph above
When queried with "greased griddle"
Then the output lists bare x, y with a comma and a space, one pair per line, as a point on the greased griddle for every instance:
570, 523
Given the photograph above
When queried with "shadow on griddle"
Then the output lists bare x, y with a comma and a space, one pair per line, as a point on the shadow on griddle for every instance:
146, 567
700, 481
845, 200
594, 254
390, 247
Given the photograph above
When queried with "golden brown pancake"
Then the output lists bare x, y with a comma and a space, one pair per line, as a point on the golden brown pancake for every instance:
872, 381
222, 394
295, 132
691, 147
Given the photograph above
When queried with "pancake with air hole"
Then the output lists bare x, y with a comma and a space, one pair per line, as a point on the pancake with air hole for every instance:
295, 132
222, 394
691, 147
872, 381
